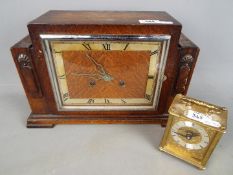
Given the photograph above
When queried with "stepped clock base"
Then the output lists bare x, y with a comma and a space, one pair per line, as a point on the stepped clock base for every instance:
49, 121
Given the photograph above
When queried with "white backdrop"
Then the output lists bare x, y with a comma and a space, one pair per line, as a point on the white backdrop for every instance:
208, 23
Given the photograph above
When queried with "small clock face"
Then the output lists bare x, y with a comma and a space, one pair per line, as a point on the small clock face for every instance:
116, 72
190, 135
188, 140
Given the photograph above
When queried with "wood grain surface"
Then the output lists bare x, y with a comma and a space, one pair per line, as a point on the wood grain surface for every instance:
102, 17
44, 109
128, 66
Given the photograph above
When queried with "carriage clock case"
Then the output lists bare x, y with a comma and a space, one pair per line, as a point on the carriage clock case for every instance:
103, 67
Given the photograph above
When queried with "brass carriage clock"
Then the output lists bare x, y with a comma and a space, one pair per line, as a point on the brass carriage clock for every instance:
193, 130
103, 67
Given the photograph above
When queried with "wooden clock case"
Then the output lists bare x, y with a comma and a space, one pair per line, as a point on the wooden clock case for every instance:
30, 62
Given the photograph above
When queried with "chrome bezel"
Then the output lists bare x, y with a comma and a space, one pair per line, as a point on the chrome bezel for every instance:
45, 41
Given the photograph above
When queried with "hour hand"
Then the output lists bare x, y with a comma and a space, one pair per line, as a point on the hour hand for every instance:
195, 134
90, 75
183, 135
190, 132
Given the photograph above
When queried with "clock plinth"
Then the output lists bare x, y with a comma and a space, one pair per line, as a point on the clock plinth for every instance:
49, 121
124, 70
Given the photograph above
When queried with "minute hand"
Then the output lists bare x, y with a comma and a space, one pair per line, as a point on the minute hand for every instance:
100, 69
98, 66
183, 135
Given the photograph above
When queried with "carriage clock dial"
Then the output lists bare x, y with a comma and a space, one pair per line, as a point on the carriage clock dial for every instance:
190, 135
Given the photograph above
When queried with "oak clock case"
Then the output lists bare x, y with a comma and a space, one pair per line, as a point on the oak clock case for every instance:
98, 70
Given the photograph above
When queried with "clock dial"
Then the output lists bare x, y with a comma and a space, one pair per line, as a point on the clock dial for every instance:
104, 73
190, 135
189, 139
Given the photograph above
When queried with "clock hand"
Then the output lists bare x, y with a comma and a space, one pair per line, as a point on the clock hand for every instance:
180, 134
105, 76
189, 134
92, 75
95, 76
99, 67
195, 134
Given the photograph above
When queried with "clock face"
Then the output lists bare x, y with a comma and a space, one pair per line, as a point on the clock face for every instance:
190, 135
188, 140
106, 72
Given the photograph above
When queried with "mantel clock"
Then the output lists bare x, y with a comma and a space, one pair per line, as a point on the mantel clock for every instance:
103, 67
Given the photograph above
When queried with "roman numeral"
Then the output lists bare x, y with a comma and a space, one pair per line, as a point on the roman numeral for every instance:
150, 77
87, 46
106, 100
148, 97
62, 76
126, 46
123, 101
156, 52
65, 96
106, 46
91, 101
57, 51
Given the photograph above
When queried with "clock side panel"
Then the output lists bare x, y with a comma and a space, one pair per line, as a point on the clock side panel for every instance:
188, 53
22, 53
170, 69
187, 58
